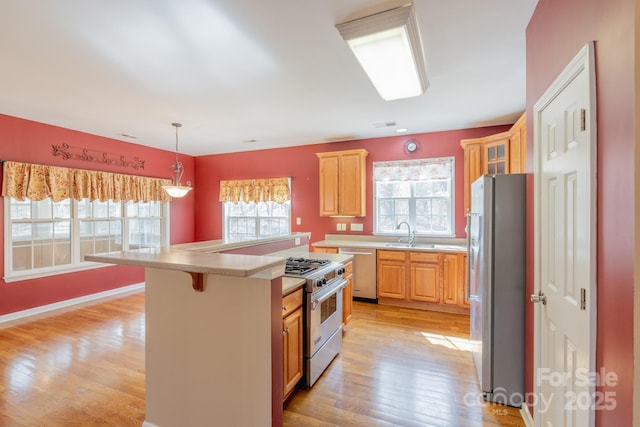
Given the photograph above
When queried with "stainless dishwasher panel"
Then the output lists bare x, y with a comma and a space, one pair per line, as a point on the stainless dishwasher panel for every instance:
364, 273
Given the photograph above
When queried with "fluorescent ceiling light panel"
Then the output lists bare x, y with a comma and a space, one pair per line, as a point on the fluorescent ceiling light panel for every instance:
389, 49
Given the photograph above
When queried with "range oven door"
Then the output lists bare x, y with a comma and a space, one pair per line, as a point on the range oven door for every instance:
324, 311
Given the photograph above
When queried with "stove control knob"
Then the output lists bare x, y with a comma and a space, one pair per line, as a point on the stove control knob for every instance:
321, 282
340, 271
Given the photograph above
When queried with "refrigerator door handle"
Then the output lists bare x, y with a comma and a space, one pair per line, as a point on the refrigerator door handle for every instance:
469, 254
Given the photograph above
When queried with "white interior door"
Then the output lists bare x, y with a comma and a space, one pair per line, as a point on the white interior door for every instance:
565, 247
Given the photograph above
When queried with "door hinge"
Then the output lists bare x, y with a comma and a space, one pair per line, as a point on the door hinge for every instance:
583, 299
583, 119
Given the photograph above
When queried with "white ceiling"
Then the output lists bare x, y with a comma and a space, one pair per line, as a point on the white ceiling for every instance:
232, 71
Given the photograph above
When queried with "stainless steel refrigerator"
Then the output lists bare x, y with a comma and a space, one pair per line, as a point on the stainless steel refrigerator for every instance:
496, 284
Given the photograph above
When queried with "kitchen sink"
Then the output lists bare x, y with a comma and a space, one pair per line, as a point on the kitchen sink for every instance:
413, 245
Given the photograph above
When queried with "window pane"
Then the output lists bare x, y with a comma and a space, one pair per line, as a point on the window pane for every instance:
41, 209
20, 210
62, 209
386, 189
85, 208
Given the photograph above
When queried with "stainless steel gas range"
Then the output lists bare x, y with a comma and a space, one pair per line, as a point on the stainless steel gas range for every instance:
322, 312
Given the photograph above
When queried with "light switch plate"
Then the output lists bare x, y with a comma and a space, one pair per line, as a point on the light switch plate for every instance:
298, 221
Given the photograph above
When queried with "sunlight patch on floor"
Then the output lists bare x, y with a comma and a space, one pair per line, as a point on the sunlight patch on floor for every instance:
454, 343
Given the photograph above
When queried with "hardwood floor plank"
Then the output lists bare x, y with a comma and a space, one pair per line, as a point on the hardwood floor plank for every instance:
398, 367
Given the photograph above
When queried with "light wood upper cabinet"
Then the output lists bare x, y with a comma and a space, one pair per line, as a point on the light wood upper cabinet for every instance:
343, 183
504, 152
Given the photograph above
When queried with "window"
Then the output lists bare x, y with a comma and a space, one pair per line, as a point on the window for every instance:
46, 237
419, 192
246, 221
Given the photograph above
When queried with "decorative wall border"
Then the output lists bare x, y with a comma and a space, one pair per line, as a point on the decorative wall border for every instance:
69, 152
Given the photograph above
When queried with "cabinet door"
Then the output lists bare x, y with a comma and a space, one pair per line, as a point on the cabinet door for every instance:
425, 282
292, 350
391, 279
329, 190
347, 301
451, 282
351, 184
496, 157
462, 278
472, 170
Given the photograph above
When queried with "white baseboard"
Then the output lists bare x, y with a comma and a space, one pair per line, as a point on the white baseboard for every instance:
526, 415
70, 302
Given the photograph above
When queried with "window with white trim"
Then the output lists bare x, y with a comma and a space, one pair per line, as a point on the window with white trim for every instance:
420, 192
247, 221
45, 237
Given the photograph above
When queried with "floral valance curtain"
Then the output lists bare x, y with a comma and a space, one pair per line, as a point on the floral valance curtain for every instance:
37, 182
255, 190
415, 170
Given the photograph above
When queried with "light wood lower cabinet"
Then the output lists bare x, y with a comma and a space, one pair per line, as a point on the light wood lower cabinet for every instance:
292, 340
347, 294
426, 280
454, 270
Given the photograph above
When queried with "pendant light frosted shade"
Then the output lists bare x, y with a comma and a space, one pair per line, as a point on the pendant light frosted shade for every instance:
388, 47
176, 189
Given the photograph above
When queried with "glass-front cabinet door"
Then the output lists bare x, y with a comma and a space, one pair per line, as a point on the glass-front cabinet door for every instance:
496, 156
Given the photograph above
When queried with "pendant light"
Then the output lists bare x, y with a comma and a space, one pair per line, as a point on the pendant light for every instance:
176, 189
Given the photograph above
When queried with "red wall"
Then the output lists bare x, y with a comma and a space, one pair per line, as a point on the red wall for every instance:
301, 164
30, 142
556, 32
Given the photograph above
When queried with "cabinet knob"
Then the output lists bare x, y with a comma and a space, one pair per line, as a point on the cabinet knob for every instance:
284, 308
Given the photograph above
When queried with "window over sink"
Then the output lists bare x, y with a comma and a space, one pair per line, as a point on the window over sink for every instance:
420, 192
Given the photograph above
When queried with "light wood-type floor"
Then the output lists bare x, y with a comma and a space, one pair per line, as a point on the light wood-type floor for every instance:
398, 367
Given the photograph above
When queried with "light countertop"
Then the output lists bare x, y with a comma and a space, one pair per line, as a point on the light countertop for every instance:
387, 243
196, 262
223, 245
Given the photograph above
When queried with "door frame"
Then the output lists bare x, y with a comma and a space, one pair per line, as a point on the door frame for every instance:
583, 61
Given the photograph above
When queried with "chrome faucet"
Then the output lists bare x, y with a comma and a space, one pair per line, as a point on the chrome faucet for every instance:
411, 236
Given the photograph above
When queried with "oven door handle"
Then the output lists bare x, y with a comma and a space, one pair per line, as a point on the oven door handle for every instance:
316, 303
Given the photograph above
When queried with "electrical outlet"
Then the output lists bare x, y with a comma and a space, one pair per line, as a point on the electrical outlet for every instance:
298, 221
356, 227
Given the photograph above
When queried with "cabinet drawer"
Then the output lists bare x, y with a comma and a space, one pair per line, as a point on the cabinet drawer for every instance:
392, 255
291, 301
424, 257
348, 269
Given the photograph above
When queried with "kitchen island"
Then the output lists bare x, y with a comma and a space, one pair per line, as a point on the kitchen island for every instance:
213, 351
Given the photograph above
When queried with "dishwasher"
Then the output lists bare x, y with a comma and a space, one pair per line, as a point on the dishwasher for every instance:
364, 273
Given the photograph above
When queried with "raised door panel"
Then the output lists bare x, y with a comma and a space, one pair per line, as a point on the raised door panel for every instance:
472, 170
462, 279
425, 282
329, 185
347, 301
351, 184
292, 350
391, 279
518, 146
450, 272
